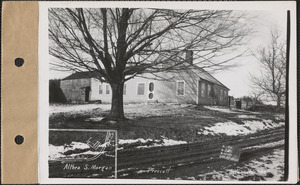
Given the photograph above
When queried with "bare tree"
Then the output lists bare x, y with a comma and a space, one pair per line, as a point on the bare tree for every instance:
272, 77
119, 44
248, 100
256, 97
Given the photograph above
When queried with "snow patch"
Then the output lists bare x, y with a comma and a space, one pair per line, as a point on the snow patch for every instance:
154, 143
97, 119
231, 128
272, 163
65, 108
94, 153
170, 142
269, 167
57, 152
246, 116
279, 117
226, 110
130, 141
266, 145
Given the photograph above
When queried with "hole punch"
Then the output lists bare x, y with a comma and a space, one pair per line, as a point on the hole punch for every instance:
19, 139
19, 62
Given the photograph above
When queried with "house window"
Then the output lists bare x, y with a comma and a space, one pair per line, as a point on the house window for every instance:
100, 89
203, 89
151, 89
151, 86
141, 89
180, 88
225, 95
208, 90
216, 92
124, 89
221, 94
107, 89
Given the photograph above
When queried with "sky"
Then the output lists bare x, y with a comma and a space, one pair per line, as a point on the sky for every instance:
237, 79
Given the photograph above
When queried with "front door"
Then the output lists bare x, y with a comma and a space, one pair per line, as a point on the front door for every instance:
87, 94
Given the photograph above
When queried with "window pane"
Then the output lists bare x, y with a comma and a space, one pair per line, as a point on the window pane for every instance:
217, 92
208, 90
107, 89
124, 89
203, 89
180, 88
221, 94
151, 86
100, 89
141, 89
150, 96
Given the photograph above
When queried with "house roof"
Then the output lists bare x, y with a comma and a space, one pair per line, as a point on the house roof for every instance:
207, 76
81, 75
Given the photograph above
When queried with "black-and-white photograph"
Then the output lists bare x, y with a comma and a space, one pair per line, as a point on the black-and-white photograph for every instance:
169, 94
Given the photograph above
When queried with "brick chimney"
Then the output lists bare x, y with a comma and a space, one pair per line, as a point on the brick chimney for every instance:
189, 56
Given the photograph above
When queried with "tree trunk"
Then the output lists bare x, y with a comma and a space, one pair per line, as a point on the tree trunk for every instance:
278, 100
117, 109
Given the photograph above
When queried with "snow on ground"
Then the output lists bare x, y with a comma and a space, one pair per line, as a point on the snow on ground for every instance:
96, 119
232, 110
57, 152
225, 110
153, 143
231, 128
269, 167
76, 145
170, 142
279, 116
130, 141
58, 108
272, 163
94, 153
246, 116
266, 145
